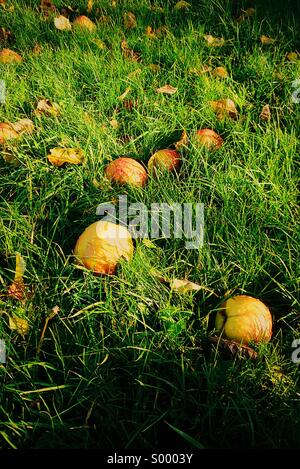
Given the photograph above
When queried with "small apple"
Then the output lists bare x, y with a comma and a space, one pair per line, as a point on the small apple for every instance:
101, 246
244, 319
83, 22
126, 171
168, 160
209, 138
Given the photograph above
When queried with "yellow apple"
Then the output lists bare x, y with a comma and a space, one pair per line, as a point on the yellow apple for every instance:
83, 22
126, 171
209, 138
167, 159
102, 245
244, 319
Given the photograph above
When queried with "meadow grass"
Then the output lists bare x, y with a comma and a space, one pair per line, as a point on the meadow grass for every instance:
125, 363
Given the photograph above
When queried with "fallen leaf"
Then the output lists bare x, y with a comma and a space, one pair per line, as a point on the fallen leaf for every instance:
156, 8
214, 41
62, 23
134, 73
5, 35
89, 6
224, 108
20, 325
265, 114
7, 132
129, 20
154, 67
114, 123
231, 349
17, 289
248, 13
114, 3
8, 56
47, 7
266, 40
59, 156
220, 72
200, 70
292, 56
183, 286
37, 49
150, 33
100, 44
183, 141
129, 53
104, 19
162, 31
149, 244
123, 96
182, 5
23, 126
47, 108
167, 89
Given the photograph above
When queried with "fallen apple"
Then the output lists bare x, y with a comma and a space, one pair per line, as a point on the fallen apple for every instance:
244, 319
83, 22
126, 171
209, 138
168, 160
102, 245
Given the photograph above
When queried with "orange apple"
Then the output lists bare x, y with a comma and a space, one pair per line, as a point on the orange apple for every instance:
126, 171
102, 245
83, 22
244, 319
209, 138
167, 159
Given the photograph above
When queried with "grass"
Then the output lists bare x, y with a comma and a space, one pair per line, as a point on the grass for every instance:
124, 363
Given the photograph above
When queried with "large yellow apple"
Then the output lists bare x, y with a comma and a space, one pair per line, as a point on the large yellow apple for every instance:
126, 171
244, 319
102, 245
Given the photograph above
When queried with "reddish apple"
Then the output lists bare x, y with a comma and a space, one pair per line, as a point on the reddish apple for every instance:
102, 245
209, 138
244, 319
167, 159
126, 171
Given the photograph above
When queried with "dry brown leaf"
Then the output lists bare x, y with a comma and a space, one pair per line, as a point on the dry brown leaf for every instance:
47, 108
20, 325
200, 70
62, 23
214, 41
150, 32
231, 349
123, 95
183, 141
7, 132
182, 5
89, 6
265, 114
167, 89
129, 20
220, 72
5, 35
37, 49
47, 7
266, 40
23, 126
129, 53
59, 156
224, 108
292, 56
8, 56
183, 286
104, 19
114, 123
246, 14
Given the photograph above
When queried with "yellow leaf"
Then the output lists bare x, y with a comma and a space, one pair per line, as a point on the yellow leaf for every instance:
17, 289
183, 141
20, 325
167, 89
149, 244
89, 6
224, 108
129, 53
62, 23
129, 20
183, 286
266, 40
220, 72
150, 33
265, 114
292, 56
24, 126
214, 41
20, 268
182, 5
47, 108
99, 43
123, 96
8, 56
114, 123
59, 156
7, 132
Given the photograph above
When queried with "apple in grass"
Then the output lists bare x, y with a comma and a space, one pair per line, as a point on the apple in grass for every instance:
125, 170
102, 245
83, 22
167, 159
244, 319
209, 138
